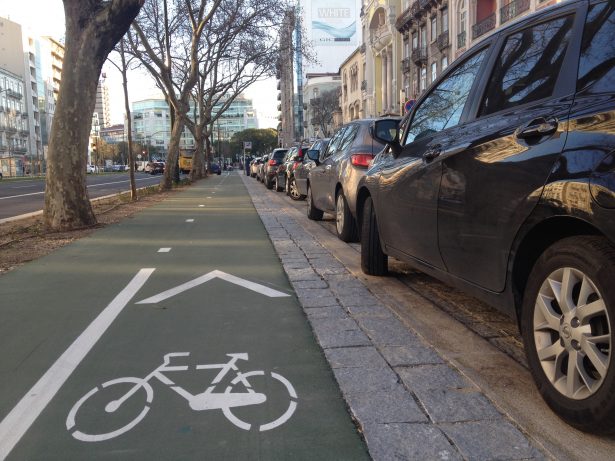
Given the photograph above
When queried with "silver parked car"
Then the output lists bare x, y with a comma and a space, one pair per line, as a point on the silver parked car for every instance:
333, 177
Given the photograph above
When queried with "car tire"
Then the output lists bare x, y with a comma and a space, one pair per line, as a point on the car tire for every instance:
559, 331
312, 212
373, 260
268, 182
287, 186
276, 184
293, 191
345, 225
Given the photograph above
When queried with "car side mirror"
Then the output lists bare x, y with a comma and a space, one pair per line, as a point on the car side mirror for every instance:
387, 132
313, 154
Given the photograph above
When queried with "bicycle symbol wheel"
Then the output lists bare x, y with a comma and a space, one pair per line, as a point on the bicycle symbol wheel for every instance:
110, 408
285, 416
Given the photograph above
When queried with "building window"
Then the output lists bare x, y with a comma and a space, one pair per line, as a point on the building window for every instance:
434, 71
423, 37
423, 78
444, 20
434, 29
415, 40
444, 62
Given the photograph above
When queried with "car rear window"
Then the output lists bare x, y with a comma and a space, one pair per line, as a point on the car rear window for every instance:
279, 154
597, 59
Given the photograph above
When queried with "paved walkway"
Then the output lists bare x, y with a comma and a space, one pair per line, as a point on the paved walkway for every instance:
408, 401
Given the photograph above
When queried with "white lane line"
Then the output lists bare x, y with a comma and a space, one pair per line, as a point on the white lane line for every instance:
201, 206
90, 186
189, 220
19, 420
164, 250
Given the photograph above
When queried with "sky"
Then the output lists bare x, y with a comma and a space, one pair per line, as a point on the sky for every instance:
46, 17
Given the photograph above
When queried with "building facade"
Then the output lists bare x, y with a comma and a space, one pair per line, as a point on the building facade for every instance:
352, 103
436, 32
316, 85
13, 126
383, 54
101, 108
285, 76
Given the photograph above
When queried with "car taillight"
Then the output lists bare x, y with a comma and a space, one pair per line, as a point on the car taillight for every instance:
361, 159
272, 162
295, 165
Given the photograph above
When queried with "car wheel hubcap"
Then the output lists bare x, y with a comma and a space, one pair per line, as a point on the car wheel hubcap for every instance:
339, 213
293, 189
572, 333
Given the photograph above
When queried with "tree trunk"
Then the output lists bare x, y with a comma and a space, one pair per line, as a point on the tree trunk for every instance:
197, 159
172, 155
131, 158
93, 27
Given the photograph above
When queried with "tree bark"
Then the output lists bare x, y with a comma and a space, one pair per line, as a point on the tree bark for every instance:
131, 158
93, 27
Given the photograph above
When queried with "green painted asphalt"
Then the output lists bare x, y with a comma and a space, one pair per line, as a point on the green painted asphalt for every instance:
295, 411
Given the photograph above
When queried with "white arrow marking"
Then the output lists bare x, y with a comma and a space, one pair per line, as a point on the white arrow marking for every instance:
206, 278
19, 420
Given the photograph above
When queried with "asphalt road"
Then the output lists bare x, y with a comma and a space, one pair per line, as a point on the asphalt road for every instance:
21, 196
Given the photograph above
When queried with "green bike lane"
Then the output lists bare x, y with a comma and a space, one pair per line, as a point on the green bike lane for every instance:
195, 283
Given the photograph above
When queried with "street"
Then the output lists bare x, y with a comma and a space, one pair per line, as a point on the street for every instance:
204, 328
21, 196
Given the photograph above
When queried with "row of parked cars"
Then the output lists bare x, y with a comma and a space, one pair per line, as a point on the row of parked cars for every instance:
501, 181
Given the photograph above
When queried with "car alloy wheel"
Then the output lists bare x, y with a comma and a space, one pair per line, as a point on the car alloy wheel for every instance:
567, 322
294, 191
344, 222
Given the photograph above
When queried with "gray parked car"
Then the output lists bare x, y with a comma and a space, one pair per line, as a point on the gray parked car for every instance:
334, 176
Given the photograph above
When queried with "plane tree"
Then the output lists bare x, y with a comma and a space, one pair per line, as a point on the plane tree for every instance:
166, 38
93, 27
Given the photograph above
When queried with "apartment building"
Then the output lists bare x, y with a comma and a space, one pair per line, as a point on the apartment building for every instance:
352, 103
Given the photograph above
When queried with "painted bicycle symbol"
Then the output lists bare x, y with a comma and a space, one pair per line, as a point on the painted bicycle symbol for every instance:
239, 393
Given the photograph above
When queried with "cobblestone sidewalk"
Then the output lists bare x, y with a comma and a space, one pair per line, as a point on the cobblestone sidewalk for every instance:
407, 401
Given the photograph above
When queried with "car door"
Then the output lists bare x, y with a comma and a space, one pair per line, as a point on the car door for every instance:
338, 163
410, 182
491, 186
319, 175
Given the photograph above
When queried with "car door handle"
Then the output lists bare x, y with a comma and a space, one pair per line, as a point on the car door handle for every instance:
537, 128
432, 152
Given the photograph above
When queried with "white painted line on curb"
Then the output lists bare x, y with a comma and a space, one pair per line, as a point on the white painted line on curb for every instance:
19, 420
164, 250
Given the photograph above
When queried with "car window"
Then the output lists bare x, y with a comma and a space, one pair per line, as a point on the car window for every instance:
528, 66
597, 60
335, 143
349, 136
443, 107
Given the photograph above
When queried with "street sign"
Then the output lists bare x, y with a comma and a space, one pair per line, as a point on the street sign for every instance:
409, 104
247, 144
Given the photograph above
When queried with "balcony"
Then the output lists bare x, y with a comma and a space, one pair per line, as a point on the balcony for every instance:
442, 42
404, 20
405, 65
13, 94
419, 55
513, 9
484, 26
